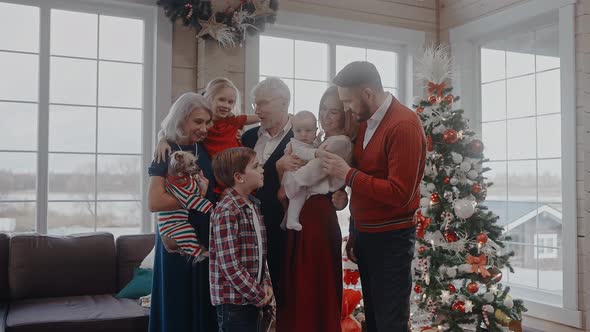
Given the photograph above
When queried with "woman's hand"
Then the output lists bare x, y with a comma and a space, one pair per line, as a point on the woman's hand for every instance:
340, 199
202, 182
163, 150
170, 244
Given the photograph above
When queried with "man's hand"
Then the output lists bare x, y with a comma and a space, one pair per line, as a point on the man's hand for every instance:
170, 244
350, 245
334, 165
163, 150
340, 199
289, 163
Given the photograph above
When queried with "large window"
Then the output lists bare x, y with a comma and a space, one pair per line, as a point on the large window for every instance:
516, 79
72, 100
306, 66
521, 126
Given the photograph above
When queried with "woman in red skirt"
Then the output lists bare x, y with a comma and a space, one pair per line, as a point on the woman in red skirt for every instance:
311, 280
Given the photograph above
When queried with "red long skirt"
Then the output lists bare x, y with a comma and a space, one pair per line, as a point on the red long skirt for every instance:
311, 282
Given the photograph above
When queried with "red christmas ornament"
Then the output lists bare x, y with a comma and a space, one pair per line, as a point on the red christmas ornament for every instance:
435, 198
421, 249
459, 306
472, 287
475, 146
417, 289
446, 180
482, 238
419, 110
451, 236
450, 136
476, 188
432, 99
449, 99
452, 288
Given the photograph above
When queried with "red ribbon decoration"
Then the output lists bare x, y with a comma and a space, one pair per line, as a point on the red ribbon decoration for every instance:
422, 224
436, 88
478, 264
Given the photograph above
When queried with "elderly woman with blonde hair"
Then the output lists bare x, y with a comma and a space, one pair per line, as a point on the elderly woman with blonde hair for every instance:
180, 290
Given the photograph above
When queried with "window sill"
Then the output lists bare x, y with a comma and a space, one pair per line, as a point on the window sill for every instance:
548, 312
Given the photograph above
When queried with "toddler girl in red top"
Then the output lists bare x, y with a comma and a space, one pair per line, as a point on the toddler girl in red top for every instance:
225, 103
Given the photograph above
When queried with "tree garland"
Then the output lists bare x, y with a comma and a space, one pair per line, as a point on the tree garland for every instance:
229, 26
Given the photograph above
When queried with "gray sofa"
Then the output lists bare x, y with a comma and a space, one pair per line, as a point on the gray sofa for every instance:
67, 283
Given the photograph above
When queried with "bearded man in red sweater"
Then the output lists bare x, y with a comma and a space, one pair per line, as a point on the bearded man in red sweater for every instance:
389, 157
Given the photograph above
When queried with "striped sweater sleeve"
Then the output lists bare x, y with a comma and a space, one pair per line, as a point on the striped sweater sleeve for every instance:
404, 158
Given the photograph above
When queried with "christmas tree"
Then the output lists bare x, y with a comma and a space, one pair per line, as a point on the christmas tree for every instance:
460, 254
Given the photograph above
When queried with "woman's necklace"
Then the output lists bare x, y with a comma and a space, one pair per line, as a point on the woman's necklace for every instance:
180, 148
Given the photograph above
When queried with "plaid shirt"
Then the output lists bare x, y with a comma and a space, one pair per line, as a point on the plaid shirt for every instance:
233, 252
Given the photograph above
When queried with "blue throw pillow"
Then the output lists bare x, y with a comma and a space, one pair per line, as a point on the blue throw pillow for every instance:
140, 285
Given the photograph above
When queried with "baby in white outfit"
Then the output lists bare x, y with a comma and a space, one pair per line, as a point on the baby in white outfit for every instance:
310, 179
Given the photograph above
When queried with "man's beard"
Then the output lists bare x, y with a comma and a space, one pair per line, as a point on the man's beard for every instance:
364, 112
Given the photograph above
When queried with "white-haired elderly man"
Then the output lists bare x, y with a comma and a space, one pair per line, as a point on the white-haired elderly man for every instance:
269, 140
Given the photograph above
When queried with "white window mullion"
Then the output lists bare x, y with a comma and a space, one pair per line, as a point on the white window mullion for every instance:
43, 118
331, 61
568, 154
96, 125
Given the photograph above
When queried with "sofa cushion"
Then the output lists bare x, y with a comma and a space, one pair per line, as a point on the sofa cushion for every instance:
140, 285
131, 250
4, 293
77, 313
43, 266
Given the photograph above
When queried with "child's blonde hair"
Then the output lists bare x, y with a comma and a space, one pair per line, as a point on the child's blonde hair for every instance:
216, 85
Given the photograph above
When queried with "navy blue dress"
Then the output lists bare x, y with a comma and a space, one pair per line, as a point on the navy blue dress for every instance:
180, 290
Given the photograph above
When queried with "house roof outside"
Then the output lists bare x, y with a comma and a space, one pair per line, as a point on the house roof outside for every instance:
520, 212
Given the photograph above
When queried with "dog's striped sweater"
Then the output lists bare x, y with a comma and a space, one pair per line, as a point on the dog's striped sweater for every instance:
174, 224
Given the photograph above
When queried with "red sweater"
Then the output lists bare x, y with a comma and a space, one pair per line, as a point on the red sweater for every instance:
385, 179
223, 134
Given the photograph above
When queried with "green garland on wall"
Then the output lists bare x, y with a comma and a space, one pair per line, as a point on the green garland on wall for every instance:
230, 26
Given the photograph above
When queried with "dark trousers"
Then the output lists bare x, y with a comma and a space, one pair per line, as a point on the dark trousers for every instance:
237, 318
384, 261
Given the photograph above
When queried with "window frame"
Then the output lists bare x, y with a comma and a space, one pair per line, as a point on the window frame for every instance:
465, 43
156, 90
332, 31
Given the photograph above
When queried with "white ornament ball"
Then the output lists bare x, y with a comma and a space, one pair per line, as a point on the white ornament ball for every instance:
508, 303
457, 158
478, 167
430, 187
425, 202
472, 174
442, 270
451, 272
454, 181
488, 308
465, 166
489, 297
464, 208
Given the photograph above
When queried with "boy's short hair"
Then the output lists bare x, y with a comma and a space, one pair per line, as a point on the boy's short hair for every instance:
229, 161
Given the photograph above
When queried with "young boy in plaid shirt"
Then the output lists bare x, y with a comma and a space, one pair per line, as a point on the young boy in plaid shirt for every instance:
238, 273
